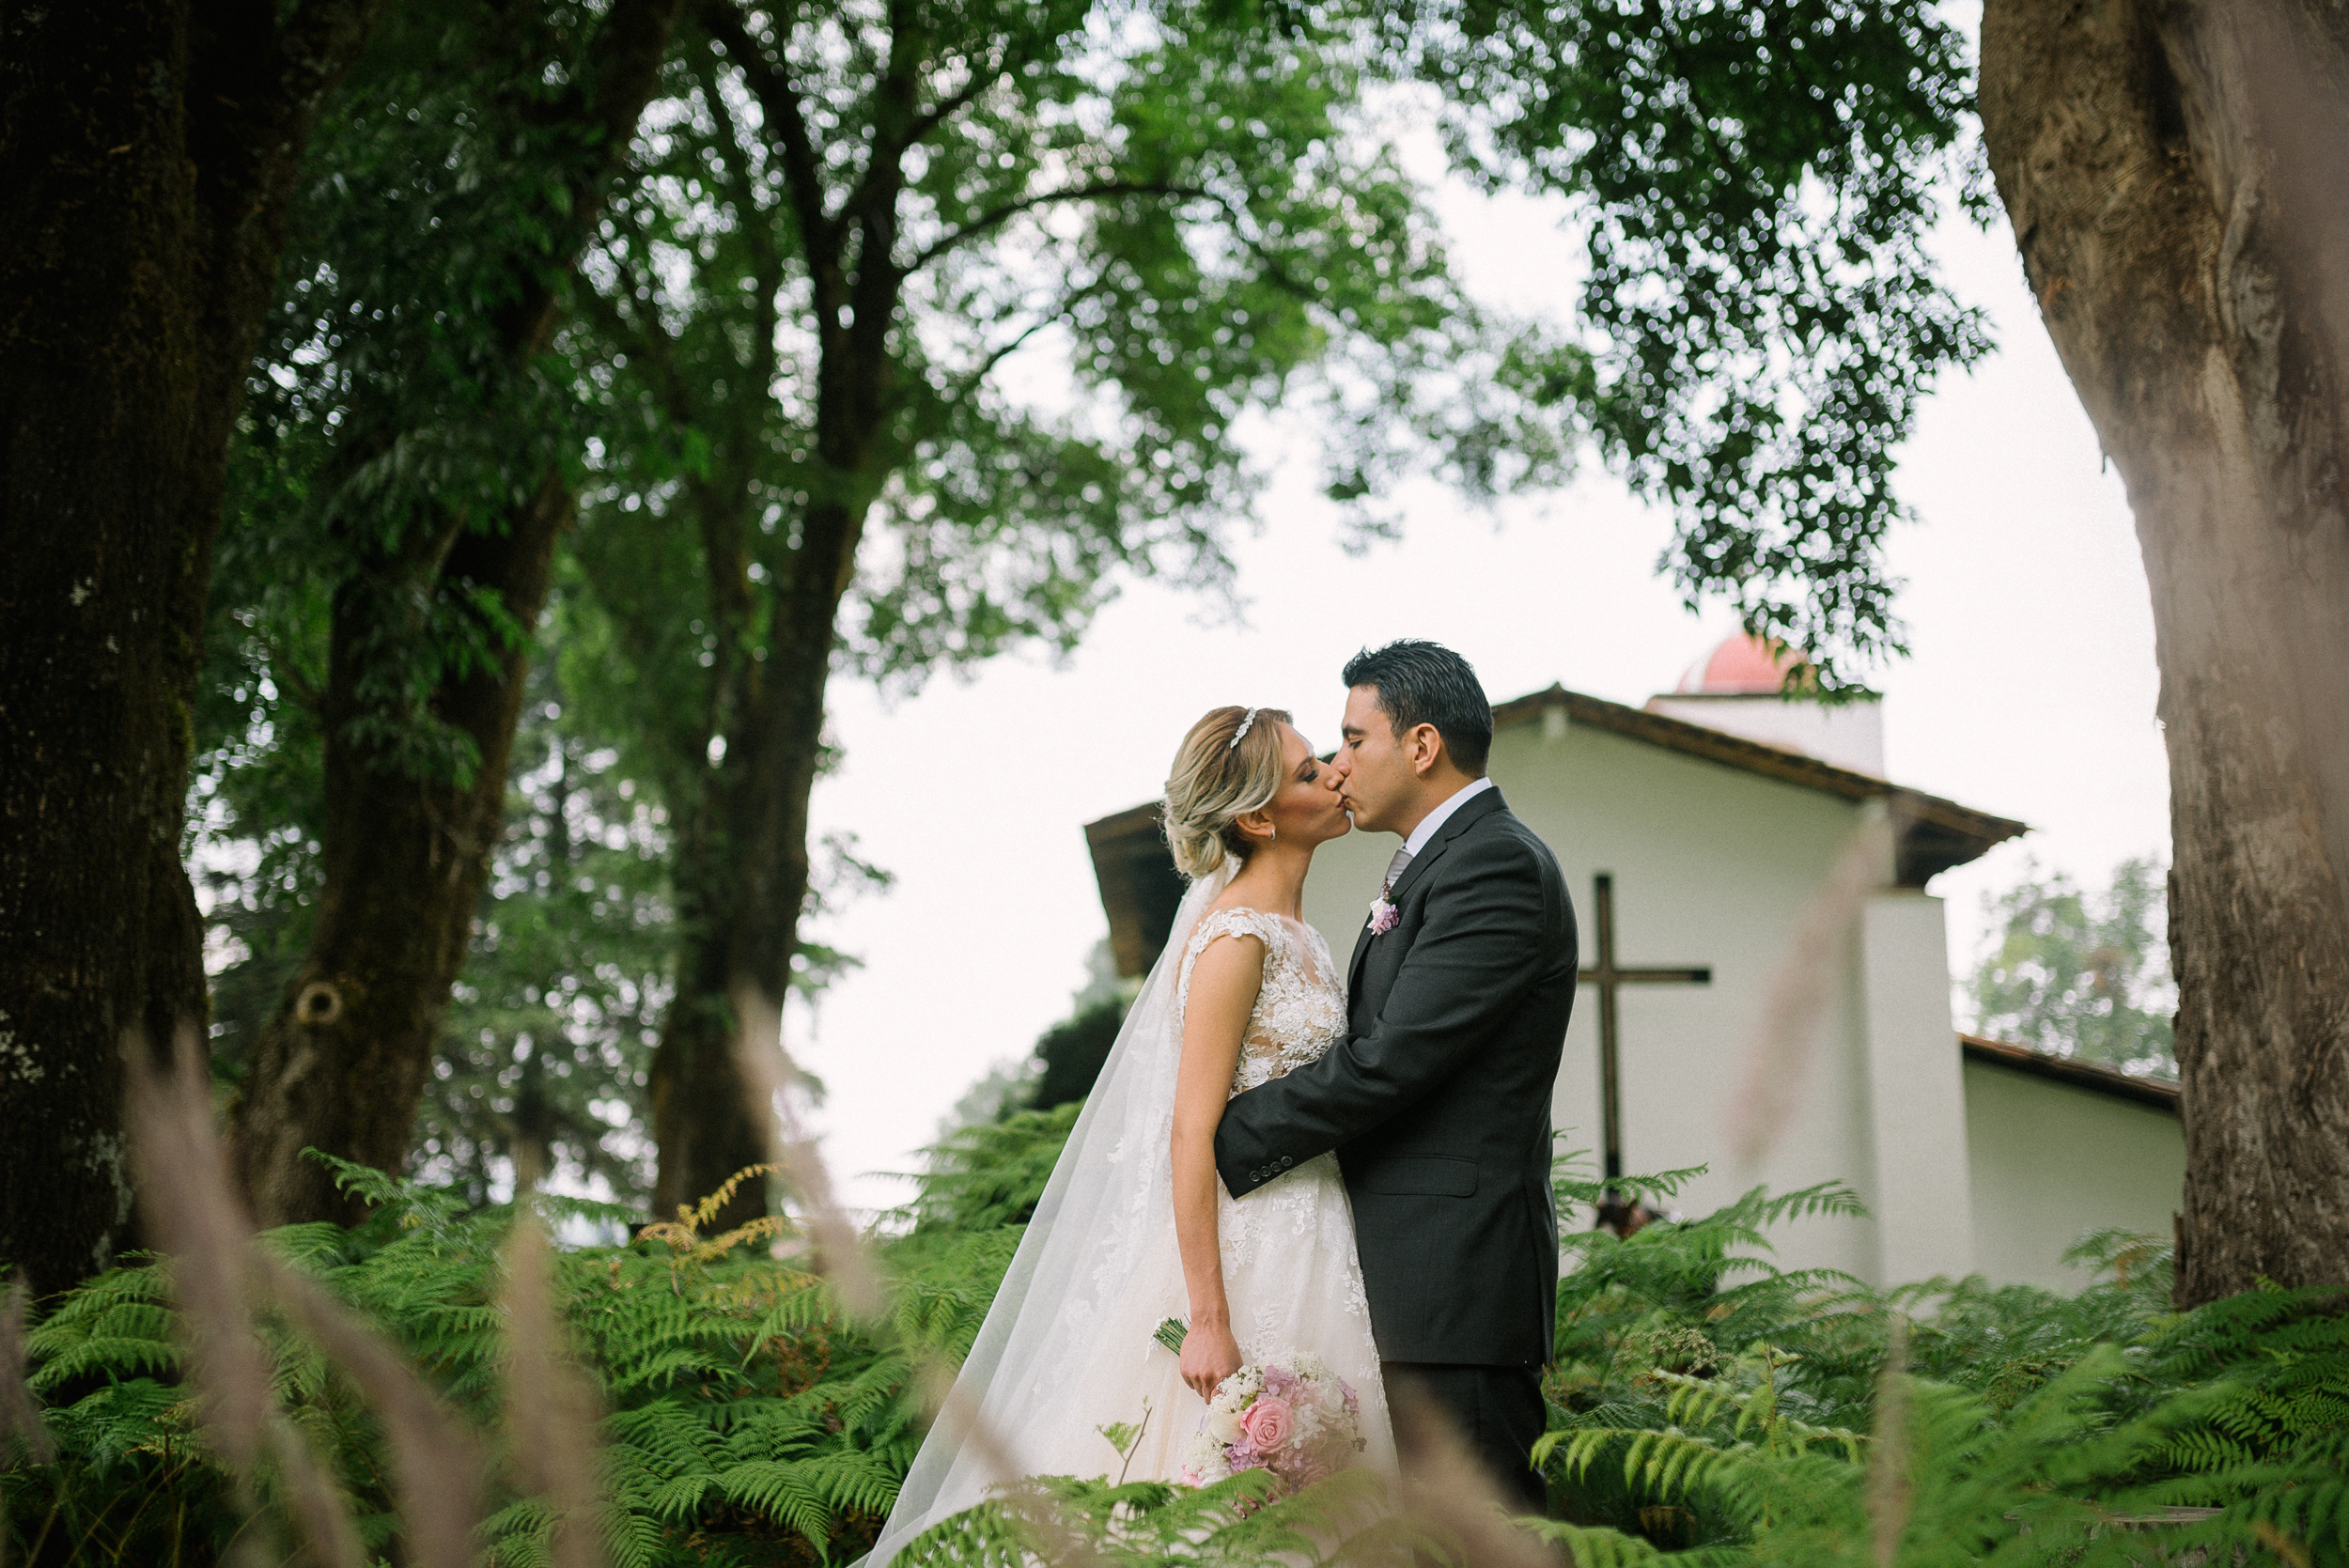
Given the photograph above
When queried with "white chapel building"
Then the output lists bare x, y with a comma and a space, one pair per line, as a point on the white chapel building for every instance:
1738, 858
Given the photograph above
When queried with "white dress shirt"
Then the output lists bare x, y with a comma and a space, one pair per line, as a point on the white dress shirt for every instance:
1435, 819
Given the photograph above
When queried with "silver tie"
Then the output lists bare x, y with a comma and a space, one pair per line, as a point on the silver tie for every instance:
1394, 869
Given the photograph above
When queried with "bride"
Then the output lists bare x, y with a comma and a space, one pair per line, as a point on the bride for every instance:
1135, 1226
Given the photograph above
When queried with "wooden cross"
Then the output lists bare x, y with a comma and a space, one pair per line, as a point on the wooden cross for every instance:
1607, 977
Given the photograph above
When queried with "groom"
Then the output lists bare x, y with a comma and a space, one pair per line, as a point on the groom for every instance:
1438, 1099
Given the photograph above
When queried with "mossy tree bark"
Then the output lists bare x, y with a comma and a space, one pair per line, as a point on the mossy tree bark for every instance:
2175, 174
341, 1066
147, 151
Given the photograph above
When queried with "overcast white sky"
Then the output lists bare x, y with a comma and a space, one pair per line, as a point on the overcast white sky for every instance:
2030, 693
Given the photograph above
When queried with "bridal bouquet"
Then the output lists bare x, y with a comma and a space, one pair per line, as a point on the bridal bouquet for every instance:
1296, 1418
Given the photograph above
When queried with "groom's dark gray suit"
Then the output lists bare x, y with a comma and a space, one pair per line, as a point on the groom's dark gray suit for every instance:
1437, 1104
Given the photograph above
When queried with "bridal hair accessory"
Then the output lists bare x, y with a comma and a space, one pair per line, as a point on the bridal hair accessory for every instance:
1242, 734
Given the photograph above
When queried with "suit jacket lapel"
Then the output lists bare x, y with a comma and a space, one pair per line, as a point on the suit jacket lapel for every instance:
1457, 824
1354, 965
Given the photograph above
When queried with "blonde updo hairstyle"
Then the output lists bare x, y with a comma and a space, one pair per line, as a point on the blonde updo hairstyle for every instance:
1214, 784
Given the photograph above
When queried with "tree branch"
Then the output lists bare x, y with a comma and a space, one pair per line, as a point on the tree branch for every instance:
802, 170
888, 154
969, 384
996, 217
315, 44
935, 116
647, 340
767, 266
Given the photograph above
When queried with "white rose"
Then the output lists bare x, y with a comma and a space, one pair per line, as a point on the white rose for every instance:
1223, 1424
1204, 1464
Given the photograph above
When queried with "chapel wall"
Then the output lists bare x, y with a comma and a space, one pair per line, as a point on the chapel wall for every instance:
2051, 1162
1712, 866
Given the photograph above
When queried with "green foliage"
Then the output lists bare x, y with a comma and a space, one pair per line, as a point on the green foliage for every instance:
2082, 974
547, 1036
1232, 1523
749, 1418
399, 397
1755, 181
990, 1173
1073, 1051
1107, 238
1706, 1406
399, 404
1706, 1403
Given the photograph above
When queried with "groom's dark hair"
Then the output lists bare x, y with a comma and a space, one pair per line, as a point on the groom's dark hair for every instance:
1426, 683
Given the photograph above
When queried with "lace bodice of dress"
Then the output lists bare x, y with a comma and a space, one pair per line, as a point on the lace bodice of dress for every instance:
1300, 1010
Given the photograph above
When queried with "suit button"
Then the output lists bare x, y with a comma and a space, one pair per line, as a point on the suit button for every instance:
1288, 1160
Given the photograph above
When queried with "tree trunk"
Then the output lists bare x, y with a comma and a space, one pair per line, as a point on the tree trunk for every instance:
147, 155
2175, 174
341, 1066
756, 817
746, 942
704, 1122
744, 880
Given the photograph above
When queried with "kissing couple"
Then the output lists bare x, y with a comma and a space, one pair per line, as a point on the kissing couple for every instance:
1285, 1195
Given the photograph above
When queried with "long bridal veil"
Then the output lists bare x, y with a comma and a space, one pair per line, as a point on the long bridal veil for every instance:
1107, 1206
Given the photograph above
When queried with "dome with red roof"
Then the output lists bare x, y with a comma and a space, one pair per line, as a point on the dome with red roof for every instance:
1742, 665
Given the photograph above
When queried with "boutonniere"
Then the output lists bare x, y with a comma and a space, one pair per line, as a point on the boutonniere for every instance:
1382, 917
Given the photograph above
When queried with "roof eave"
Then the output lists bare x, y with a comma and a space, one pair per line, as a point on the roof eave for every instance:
1933, 834
2158, 1092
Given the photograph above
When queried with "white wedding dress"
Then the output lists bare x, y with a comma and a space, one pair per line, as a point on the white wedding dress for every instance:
1066, 1348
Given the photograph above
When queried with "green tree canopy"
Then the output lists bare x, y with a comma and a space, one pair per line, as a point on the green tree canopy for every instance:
911, 333
1755, 185
2082, 973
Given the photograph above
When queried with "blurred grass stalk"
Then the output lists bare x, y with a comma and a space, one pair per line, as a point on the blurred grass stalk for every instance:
551, 1411
846, 1257
221, 1278
1785, 1037
22, 1434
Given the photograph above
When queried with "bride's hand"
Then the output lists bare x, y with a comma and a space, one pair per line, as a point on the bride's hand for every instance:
1210, 1355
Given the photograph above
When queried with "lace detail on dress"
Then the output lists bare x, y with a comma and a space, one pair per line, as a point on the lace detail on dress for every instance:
1304, 1213
1300, 1008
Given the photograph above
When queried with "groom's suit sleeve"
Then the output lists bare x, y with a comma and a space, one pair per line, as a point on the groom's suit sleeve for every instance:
1478, 950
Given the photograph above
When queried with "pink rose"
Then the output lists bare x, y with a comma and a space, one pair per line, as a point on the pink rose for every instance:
1268, 1423
1383, 917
